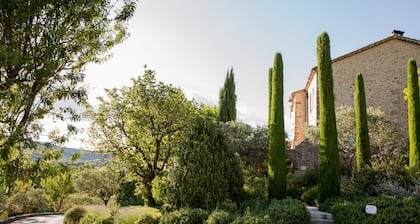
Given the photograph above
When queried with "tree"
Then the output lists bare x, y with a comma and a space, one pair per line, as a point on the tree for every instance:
44, 47
362, 129
388, 140
413, 113
57, 189
205, 171
329, 177
227, 99
277, 179
140, 124
101, 183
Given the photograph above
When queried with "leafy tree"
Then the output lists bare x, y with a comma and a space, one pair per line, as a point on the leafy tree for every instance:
57, 189
205, 170
329, 177
227, 99
362, 129
277, 179
140, 125
413, 113
101, 183
388, 140
44, 47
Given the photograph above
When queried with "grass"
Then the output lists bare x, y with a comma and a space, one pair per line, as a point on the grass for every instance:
125, 215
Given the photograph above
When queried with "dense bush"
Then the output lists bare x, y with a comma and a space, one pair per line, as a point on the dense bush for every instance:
251, 218
126, 192
96, 218
219, 217
80, 199
148, 219
389, 209
303, 186
73, 215
287, 211
26, 200
185, 216
205, 171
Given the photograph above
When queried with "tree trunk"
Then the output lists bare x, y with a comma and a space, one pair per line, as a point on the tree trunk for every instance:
147, 190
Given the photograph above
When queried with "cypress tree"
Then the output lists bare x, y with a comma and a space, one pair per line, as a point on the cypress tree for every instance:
329, 176
362, 130
227, 99
277, 179
413, 113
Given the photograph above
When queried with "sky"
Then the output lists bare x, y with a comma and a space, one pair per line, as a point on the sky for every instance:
191, 44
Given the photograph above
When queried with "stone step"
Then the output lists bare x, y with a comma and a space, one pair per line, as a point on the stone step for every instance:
319, 217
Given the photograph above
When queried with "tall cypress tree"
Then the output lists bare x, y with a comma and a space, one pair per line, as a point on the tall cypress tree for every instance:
362, 129
329, 177
413, 113
227, 99
277, 179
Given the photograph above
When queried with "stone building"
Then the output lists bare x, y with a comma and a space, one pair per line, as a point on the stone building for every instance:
384, 68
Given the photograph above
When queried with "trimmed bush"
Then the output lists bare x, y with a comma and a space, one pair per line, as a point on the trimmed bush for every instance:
73, 215
185, 216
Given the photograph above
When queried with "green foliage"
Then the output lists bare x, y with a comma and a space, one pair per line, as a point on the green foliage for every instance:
73, 215
329, 178
205, 171
22, 201
390, 210
363, 153
95, 218
44, 48
126, 192
275, 211
80, 199
159, 190
413, 100
148, 219
277, 178
185, 216
97, 182
140, 124
288, 211
303, 186
388, 141
57, 189
227, 99
219, 217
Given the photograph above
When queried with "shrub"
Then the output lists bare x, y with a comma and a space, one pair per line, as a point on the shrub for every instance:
310, 196
298, 184
96, 218
219, 217
126, 192
147, 219
26, 200
289, 211
159, 190
80, 199
205, 171
251, 218
185, 216
73, 215
389, 210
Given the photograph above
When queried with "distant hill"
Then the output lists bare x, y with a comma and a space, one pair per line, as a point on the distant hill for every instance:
86, 156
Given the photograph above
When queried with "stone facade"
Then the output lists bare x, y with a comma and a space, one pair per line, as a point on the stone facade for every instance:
384, 68
299, 116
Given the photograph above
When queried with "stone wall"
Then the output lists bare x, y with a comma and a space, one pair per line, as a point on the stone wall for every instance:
304, 157
384, 68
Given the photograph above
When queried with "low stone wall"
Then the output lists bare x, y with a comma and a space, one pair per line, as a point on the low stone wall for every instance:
304, 157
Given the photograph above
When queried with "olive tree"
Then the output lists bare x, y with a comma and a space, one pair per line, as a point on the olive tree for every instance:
140, 124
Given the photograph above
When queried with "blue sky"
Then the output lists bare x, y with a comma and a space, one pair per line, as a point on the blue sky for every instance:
192, 43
